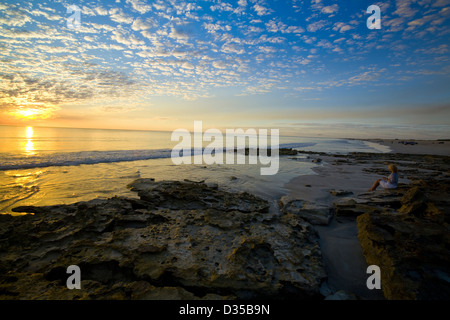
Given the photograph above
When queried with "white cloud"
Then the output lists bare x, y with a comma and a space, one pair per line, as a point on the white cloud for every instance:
142, 24
119, 16
330, 9
404, 8
128, 40
213, 27
219, 65
341, 27
101, 11
273, 26
178, 34
140, 6
262, 11
222, 6
313, 27
48, 16
232, 48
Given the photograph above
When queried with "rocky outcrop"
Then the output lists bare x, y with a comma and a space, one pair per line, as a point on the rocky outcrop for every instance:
413, 255
410, 242
179, 240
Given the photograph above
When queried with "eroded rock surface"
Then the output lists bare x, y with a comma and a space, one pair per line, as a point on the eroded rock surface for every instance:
180, 240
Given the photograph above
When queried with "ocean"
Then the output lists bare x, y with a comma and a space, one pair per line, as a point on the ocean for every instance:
49, 166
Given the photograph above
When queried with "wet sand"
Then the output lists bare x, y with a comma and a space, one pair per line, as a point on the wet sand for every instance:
341, 249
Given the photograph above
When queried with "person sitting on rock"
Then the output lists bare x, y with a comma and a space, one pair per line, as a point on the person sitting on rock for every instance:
389, 182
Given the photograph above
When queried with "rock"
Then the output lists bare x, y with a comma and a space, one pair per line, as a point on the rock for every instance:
317, 160
340, 193
413, 202
351, 207
287, 152
212, 185
180, 240
413, 255
313, 213
281, 151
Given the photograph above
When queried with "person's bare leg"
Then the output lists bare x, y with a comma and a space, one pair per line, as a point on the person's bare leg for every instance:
375, 185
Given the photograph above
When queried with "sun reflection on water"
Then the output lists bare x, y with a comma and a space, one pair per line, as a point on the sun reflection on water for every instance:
29, 146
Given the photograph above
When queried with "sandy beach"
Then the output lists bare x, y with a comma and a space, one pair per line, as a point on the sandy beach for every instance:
435, 147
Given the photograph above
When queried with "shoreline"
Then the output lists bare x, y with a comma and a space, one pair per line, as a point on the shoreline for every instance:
426, 147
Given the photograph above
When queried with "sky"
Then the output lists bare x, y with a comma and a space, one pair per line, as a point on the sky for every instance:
306, 67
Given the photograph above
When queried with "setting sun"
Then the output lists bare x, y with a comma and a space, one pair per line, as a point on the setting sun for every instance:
30, 113
29, 132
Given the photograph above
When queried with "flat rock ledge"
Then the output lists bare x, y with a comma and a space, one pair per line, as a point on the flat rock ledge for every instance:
179, 240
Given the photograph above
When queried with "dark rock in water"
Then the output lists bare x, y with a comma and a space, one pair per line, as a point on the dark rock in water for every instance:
180, 240
340, 193
268, 152
287, 152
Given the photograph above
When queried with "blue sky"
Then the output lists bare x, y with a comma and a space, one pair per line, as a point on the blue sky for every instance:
307, 67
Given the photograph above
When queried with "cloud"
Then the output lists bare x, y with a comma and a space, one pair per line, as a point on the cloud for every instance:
142, 24
178, 33
341, 27
214, 27
219, 65
118, 109
274, 26
222, 6
232, 48
404, 8
48, 16
14, 18
117, 15
330, 9
128, 40
315, 26
261, 10
140, 6
101, 11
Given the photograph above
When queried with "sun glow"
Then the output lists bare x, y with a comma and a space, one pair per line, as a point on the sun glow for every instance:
31, 113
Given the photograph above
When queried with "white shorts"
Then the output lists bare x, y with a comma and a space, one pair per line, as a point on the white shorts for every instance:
387, 185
